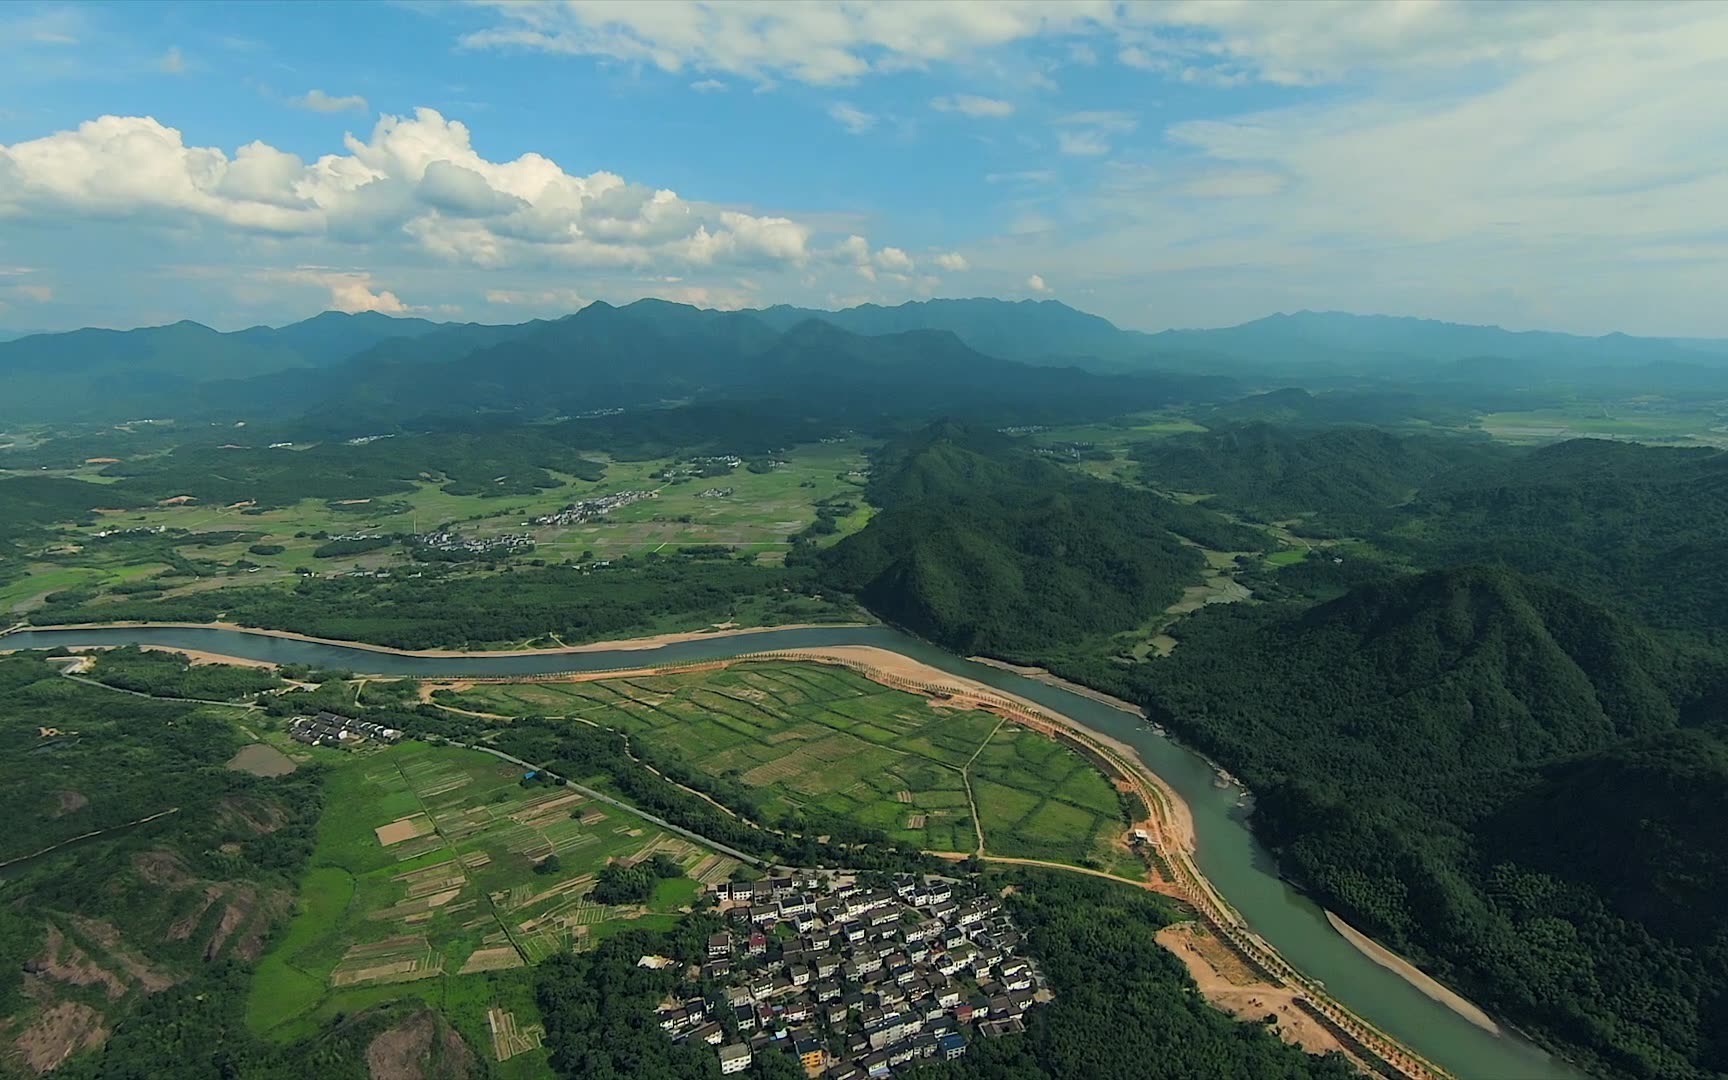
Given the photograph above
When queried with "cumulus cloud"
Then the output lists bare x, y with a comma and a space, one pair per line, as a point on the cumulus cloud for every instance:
318, 101
852, 118
351, 291
1036, 284
973, 105
415, 181
952, 261
895, 261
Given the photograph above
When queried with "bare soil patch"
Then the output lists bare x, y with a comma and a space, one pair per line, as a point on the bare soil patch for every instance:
1227, 983
408, 828
69, 802
107, 935
163, 868
65, 962
422, 1047
491, 960
59, 1032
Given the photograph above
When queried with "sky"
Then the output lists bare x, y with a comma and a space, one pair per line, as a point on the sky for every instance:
1533, 165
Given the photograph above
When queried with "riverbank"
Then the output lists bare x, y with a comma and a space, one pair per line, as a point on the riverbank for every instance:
1414, 975
1038, 674
622, 645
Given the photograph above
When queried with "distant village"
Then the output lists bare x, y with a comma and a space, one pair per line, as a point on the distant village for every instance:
334, 729
455, 543
855, 981
589, 509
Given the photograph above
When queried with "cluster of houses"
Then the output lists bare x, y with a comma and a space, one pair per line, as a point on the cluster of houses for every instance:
1065, 451
856, 981
502, 544
714, 493
588, 509
334, 729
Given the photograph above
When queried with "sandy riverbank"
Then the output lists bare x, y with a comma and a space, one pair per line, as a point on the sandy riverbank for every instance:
652, 642
197, 656
1038, 674
1413, 975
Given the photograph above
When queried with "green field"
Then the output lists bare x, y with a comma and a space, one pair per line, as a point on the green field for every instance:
817, 738
1638, 421
446, 905
759, 516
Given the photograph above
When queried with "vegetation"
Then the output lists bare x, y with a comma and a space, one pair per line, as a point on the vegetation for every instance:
808, 749
1496, 777
984, 547
105, 922
438, 607
174, 675
1340, 474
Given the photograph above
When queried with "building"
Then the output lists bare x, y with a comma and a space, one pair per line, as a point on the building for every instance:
734, 1059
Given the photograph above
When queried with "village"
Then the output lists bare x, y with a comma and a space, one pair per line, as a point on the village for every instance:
854, 980
449, 542
586, 510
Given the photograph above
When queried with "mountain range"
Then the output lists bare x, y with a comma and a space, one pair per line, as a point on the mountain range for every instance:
370, 366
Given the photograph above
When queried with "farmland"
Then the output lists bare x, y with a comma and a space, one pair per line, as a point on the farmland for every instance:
191, 546
425, 883
814, 739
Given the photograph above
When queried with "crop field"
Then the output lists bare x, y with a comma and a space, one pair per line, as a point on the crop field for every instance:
425, 875
825, 739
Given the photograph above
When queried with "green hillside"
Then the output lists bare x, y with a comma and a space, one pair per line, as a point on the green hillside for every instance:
985, 548
1493, 776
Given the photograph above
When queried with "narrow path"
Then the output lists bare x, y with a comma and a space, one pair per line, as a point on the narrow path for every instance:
157, 697
966, 778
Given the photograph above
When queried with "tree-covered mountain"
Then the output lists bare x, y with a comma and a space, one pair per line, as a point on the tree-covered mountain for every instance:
1271, 470
985, 548
1637, 525
1035, 331
1514, 785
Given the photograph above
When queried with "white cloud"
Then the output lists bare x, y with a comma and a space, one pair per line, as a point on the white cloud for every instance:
350, 290
973, 105
544, 300
1036, 284
822, 44
895, 261
416, 182
1082, 143
852, 118
173, 62
952, 261
709, 86
319, 101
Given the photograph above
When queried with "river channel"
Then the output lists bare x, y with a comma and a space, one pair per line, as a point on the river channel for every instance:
1227, 853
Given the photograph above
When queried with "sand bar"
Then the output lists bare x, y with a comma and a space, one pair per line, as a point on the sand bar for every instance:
1414, 975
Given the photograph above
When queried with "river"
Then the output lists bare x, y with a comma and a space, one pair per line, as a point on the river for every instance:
1226, 852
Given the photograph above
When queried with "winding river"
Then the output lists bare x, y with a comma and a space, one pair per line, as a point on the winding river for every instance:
1242, 871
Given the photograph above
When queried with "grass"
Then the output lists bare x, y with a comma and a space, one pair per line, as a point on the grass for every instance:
824, 740
379, 921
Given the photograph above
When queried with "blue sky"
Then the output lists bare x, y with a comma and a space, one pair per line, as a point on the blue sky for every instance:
1162, 164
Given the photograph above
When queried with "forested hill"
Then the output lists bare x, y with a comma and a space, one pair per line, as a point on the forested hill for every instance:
1638, 525
1507, 782
1267, 469
984, 548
